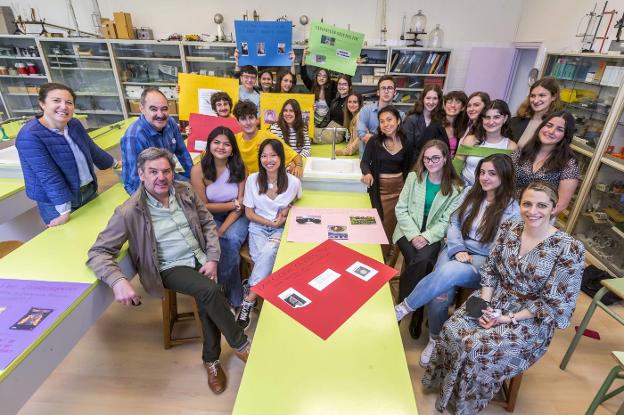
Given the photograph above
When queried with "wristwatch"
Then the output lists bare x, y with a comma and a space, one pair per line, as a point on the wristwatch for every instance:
512, 316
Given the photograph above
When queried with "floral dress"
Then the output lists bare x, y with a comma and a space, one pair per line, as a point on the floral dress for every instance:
470, 363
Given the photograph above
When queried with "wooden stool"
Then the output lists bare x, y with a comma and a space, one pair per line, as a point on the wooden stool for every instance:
171, 316
6, 247
510, 393
616, 373
246, 264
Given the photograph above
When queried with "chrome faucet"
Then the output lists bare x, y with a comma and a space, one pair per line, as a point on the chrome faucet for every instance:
334, 130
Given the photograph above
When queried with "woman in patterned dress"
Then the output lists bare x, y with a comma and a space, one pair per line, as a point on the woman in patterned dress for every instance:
533, 276
548, 157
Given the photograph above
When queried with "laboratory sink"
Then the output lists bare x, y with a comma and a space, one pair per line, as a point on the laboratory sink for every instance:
336, 175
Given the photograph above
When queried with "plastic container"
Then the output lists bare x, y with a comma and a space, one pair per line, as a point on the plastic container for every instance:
436, 37
32, 68
4, 70
21, 69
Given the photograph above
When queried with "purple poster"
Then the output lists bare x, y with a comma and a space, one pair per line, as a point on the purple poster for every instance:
27, 309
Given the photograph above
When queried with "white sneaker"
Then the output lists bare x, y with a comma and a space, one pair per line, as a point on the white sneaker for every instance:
425, 356
401, 310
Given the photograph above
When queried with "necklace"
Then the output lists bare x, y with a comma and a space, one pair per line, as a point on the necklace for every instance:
272, 184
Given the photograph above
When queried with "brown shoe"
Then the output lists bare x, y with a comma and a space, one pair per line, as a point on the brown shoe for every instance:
216, 377
243, 354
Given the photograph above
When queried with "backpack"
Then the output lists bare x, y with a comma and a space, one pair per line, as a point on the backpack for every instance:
591, 284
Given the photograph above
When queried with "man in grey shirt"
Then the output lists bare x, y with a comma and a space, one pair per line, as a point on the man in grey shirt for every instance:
173, 244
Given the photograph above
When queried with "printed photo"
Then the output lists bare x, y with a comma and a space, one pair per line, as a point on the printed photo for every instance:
260, 50
343, 53
362, 271
31, 319
337, 236
320, 58
337, 228
312, 220
269, 116
328, 40
362, 220
244, 49
281, 48
294, 298
306, 118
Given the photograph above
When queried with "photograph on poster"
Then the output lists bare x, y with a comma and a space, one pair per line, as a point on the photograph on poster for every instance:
304, 220
294, 298
362, 271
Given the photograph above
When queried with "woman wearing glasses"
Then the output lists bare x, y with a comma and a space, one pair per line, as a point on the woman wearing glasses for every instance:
429, 197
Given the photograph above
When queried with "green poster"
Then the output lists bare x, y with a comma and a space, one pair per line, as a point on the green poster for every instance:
333, 48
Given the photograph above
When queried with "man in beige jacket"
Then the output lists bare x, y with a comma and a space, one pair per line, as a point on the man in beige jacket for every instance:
173, 244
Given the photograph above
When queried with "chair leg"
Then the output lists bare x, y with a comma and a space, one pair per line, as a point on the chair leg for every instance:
166, 311
582, 327
514, 388
600, 395
198, 323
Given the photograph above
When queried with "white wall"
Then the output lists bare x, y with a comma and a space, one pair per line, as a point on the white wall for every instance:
465, 23
555, 22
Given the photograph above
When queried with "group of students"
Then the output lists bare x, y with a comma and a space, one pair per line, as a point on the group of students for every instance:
428, 176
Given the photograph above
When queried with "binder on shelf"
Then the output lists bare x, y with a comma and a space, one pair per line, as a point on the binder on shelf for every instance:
600, 71
434, 65
442, 65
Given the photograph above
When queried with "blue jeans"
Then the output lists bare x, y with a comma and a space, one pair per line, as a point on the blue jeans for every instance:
437, 289
263, 244
228, 271
48, 212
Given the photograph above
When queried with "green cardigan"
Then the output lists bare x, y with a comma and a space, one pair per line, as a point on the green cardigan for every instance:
411, 207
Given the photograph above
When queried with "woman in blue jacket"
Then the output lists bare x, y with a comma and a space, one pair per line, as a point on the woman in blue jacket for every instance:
470, 236
57, 157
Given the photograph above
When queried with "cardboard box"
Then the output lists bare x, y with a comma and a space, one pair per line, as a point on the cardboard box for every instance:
134, 105
108, 29
32, 89
17, 89
123, 25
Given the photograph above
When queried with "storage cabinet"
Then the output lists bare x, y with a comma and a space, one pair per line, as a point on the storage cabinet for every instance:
86, 67
21, 72
213, 59
592, 92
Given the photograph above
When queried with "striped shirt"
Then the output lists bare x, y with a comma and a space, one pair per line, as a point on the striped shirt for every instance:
292, 139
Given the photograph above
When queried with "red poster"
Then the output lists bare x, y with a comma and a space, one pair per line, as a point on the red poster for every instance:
324, 287
202, 125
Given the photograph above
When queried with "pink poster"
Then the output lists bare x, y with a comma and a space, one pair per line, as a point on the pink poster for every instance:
324, 287
202, 125
361, 226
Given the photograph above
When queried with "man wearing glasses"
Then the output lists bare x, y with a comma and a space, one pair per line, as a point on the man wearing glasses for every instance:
368, 123
246, 91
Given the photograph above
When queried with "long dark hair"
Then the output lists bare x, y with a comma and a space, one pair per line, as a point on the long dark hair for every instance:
561, 154
549, 83
503, 195
280, 76
394, 111
234, 163
461, 120
282, 177
419, 105
347, 115
450, 178
503, 109
298, 125
316, 88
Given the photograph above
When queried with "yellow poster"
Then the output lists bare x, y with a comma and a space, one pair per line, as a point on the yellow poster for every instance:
196, 90
271, 106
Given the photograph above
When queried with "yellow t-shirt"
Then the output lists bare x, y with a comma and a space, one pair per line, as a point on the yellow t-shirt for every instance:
249, 149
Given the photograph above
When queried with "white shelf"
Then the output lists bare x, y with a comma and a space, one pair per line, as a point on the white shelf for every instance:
60, 68
25, 76
210, 60
374, 65
26, 58
614, 162
410, 89
417, 74
363, 84
150, 83
96, 94
137, 58
80, 57
581, 149
25, 111
411, 104
21, 94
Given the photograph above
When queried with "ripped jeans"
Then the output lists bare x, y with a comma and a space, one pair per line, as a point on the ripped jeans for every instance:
438, 288
263, 244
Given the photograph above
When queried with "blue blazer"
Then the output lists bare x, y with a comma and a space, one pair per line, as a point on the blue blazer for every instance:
48, 164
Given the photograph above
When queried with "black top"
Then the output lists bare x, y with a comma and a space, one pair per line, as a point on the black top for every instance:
435, 131
329, 87
377, 160
413, 128
337, 108
518, 125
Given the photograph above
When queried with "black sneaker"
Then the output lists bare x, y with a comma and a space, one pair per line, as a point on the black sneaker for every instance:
244, 315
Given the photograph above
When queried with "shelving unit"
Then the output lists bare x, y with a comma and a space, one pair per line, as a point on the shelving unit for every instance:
596, 215
413, 69
19, 91
85, 65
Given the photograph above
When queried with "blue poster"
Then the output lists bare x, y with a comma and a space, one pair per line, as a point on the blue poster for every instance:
263, 43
